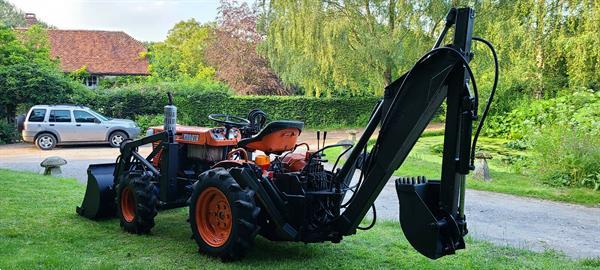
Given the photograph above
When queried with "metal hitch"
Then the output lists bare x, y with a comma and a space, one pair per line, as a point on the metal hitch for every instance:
428, 229
99, 199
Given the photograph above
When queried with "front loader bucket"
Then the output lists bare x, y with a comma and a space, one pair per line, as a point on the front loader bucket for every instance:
99, 199
427, 229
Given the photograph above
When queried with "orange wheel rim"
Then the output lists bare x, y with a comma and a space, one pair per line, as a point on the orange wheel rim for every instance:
213, 217
127, 204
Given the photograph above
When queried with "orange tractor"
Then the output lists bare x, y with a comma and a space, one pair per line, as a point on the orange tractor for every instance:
249, 178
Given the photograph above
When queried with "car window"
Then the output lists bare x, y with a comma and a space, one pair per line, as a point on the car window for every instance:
37, 115
83, 117
99, 115
60, 116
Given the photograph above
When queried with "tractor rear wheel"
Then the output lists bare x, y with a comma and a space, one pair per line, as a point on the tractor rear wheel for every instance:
136, 203
223, 216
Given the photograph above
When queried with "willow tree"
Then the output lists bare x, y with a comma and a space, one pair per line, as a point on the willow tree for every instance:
356, 47
580, 42
545, 46
350, 47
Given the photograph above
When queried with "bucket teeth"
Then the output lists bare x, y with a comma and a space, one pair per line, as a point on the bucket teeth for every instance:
412, 180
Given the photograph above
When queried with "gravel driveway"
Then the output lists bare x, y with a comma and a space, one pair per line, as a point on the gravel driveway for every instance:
520, 222
26, 157
502, 219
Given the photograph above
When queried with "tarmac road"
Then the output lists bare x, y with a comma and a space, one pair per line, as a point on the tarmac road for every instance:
503, 219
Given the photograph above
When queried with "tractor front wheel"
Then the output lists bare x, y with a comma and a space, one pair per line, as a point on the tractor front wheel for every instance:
136, 203
223, 216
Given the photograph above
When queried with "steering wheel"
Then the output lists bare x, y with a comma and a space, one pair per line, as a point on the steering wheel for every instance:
229, 121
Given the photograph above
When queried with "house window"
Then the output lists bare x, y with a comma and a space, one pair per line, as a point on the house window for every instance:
91, 81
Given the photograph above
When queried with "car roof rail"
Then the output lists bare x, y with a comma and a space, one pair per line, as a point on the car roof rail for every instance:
73, 105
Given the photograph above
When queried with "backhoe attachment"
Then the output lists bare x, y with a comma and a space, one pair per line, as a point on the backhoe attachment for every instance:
431, 212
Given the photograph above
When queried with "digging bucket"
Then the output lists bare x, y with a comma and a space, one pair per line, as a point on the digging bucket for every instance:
430, 231
99, 199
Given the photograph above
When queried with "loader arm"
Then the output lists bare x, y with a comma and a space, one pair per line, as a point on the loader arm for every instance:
430, 211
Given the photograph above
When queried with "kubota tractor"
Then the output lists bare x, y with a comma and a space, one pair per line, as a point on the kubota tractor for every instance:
264, 185
135, 188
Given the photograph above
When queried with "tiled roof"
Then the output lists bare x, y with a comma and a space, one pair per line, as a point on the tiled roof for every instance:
103, 52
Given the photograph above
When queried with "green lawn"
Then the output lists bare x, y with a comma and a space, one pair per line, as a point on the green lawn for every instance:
39, 229
425, 159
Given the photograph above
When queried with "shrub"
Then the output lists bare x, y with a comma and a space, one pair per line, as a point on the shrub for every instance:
566, 156
195, 104
437, 148
517, 144
314, 112
146, 121
577, 110
153, 120
8, 132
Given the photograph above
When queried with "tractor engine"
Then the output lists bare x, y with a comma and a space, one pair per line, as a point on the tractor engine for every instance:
200, 147
310, 189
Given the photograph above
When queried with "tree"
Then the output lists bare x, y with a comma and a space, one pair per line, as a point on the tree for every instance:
580, 44
27, 73
181, 55
233, 52
356, 47
10, 15
13, 17
352, 47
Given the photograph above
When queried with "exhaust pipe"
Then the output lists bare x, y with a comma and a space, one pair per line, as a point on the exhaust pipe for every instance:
170, 123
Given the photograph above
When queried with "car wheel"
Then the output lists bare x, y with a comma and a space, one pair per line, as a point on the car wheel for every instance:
116, 138
45, 141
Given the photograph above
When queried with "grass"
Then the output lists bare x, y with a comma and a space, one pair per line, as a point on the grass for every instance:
425, 159
40, 230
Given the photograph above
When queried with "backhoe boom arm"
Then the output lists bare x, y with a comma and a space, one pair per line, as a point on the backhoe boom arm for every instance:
408, 106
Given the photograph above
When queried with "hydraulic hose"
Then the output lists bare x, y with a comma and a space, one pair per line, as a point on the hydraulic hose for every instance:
372, 221
489, 102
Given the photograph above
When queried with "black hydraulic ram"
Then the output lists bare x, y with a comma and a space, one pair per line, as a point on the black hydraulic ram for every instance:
431, 212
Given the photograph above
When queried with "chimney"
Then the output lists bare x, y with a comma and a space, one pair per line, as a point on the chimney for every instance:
30, 19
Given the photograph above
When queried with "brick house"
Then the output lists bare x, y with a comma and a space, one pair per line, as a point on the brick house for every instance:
104, 54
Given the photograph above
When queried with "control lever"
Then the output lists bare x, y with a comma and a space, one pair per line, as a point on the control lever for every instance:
324, 138
318, 140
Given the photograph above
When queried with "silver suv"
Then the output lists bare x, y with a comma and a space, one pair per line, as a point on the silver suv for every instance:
49, 125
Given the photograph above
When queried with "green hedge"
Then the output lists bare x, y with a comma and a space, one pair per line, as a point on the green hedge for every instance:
195, 105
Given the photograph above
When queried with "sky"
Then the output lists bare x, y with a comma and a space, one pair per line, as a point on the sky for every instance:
145, 20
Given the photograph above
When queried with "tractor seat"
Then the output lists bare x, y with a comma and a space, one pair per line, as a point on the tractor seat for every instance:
275, 138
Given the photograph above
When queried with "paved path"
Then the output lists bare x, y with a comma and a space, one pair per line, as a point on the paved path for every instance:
502, 219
